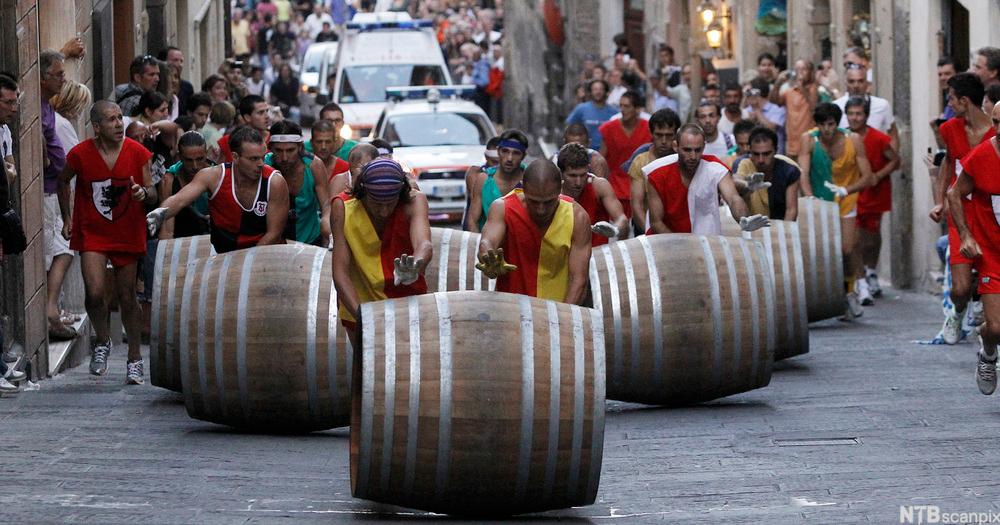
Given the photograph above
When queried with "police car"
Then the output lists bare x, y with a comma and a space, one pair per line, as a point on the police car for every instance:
438, 135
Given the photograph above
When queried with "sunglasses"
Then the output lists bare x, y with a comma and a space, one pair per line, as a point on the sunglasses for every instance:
853, 65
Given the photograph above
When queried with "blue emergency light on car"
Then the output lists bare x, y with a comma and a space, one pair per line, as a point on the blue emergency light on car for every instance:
395, 24
400, 93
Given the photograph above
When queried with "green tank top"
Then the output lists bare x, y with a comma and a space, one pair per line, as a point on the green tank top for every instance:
820, 169
490, 193
304, 212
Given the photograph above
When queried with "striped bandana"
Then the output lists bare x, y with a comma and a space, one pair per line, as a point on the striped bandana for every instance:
383, 179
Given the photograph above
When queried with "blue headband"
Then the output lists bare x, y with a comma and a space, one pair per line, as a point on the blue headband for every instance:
512, 144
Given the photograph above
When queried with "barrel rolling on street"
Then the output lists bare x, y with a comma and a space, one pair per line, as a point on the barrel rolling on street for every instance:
782, 245
687, 318
173, 257
261, 343
822, 258
478, 403
453, 267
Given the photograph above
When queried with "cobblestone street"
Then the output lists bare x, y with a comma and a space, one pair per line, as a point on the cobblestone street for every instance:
865, 423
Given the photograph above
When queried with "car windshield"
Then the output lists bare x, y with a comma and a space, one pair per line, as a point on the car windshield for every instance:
437, 129
368, 83
313, 61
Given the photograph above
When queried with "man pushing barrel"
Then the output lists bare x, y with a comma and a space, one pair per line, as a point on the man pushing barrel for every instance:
547, 237
381, 240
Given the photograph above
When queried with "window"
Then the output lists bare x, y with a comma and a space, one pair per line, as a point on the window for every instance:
437, 129
368, 83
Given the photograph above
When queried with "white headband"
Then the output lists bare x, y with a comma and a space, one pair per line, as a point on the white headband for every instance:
384, 151
286, 138
491, 154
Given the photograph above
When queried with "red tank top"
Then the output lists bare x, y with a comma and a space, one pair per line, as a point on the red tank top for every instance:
674, 195
233, 226
105, 218
595, 210
957, 142
339, 166
619, 147
540, 255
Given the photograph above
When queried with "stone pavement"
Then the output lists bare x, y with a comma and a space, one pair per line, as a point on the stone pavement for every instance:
865, 423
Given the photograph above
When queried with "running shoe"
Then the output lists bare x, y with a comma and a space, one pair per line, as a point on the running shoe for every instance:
952, 330
853, 308
133, 373
986, 374
872, 280
14, 375
864, 294
7, 388
99, 358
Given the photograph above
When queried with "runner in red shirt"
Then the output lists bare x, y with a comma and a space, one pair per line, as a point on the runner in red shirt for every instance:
593, 193
978, 223
968, 128
621, 138
252, 111
323, 144
873, 201
248, 200
113, 182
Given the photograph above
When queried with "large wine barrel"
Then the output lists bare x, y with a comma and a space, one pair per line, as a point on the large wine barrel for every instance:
261, 344
783, 248
822, 258
453, 267
687, 318
478, 403
173, 257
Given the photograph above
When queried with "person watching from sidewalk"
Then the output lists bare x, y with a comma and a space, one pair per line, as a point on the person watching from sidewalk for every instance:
253, 112
199, 109
144, 76
8, 114
763, 112
594, 112
175, 57
879, 110
986, 65
799, 95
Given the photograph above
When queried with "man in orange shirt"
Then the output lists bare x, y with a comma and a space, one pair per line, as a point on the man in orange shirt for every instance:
799, 96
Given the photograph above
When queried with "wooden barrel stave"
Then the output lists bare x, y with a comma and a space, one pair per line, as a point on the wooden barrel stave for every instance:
262, 346
489, 410
678, 330
819, 232
783, 247
453, 267
173, 258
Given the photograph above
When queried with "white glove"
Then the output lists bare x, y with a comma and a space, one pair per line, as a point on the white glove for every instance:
838, 191
154, 220
756, 182
605, 229
754, 223
405, 270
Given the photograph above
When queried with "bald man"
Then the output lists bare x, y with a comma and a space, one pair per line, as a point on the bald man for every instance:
546, 235
359, 156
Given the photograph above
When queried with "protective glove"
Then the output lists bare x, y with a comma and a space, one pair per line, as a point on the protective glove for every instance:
605, 229
757, 182
405, 270
154, 220
493, 265
754, 223
838, 191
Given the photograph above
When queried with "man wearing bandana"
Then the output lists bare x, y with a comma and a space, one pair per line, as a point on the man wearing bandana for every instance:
306, 177
494, 183
381, 238
546, 235
248, 200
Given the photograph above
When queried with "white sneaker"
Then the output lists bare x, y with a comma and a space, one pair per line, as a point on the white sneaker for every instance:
872, 280
864, 294
952, 330
854, 309
6, 387
986, 372
134, 373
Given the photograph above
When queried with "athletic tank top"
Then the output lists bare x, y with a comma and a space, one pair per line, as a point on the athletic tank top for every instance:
303, 210
541, 257
372, 256
490, 193
842, 171
595, 210
234, 227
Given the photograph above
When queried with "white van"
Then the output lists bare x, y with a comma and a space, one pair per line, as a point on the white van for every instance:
374, 55
319, 62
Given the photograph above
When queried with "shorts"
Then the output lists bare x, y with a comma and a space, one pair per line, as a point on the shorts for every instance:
52, 224
350, 326
119, 259
955, 246
989, 282
870, 221
146, 266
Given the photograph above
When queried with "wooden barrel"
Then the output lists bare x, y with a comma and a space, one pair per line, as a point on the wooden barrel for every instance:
782, 246
261, 344
478, 403
822, 258
173, 257
687, 318
453, 267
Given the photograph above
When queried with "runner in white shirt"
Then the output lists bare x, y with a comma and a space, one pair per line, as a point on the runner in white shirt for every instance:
717, 143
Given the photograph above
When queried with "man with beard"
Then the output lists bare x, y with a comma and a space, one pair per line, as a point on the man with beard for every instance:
594, 112
547, 237
324, 144
106, 226
621, 137
495, 183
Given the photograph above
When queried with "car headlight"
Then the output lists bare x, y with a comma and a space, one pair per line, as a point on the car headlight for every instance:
346, 132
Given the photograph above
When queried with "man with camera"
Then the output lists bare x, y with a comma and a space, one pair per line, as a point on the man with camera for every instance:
763, 112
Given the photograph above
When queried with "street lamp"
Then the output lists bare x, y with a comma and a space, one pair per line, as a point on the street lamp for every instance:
706, 10
714, 34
